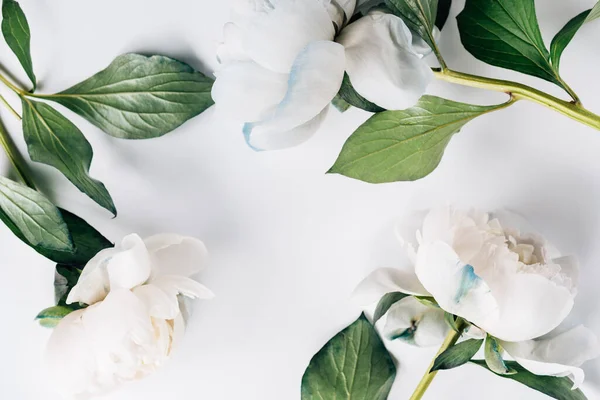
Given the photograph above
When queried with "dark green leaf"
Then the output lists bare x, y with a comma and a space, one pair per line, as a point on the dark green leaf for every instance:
388, 300
65, 278
34, 217
557, 388
351, 96
354, 364
50, 317
566, 34
54, 140
16, 33
405, 145
505, 33
340, 104
87, 241
457, 355
419, 15
442, 13
494, 359
139, 97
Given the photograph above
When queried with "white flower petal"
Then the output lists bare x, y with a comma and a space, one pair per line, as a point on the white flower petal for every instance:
315, 80
93, 284
276, 31
408, 232
420, 46
387, 280
381, 63
415, 323
264, 137
173, 254
131, 266
248, 92
561, 355
159, 303
175, 285
340, 11
455, 285
231, 49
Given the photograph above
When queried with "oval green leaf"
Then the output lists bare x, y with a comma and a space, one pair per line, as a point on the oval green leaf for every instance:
457, 355
388, 300
494, 359
352, 97
566, 34
15, 30
34, 216
505, 33
556, 388
405, 145
354, 364
139, 97
50, 317
54, 140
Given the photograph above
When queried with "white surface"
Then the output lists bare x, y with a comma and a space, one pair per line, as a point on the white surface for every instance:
288, 242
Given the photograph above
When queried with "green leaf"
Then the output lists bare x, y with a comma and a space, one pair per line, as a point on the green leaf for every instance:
505, 33
451, 321
419, 15
50, 317
405, 145
139, 97
340, 104
493, 357
566, 34
87, 241
34, 216
352, 97
354, 364
427, 301
442, 13
54, 140
557, 388
457, 355
17, 35
388, 300
65, 278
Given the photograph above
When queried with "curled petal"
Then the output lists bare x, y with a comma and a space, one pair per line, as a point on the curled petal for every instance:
420, 46
248, 91
314, 81
415, 323
387, 280
173, 254
381, 62
175, 285
276, 31
561, 355
158, 302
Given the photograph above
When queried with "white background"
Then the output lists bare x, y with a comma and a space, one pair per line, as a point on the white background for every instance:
288, 242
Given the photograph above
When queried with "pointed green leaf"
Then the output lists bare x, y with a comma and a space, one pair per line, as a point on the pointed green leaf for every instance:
139, 97
493, 357
352, 97
50, 317
419, 15
16, 33
388, 300
457, 355
442, 13
566, 34
451, 321
405, 145
505, 33
427, 301
556, 388
34, 216
354, 364
54, 140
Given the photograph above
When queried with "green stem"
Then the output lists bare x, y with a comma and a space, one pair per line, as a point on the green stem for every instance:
522, 92
10, 108
12, 86
450, 341
15, 158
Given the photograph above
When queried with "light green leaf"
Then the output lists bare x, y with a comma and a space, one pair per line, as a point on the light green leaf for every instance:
352, 97
17, 35
493, 357
354, 364
457, 355
340, 104
34, 216
405, 145
427, 301
556, 388
54, 140
388, 300
505, 33
451, 321
50, 317
139, 97
419, 15
566, 34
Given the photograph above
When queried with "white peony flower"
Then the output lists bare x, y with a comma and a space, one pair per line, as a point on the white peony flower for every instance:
512, 285
133, 319
281, 67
